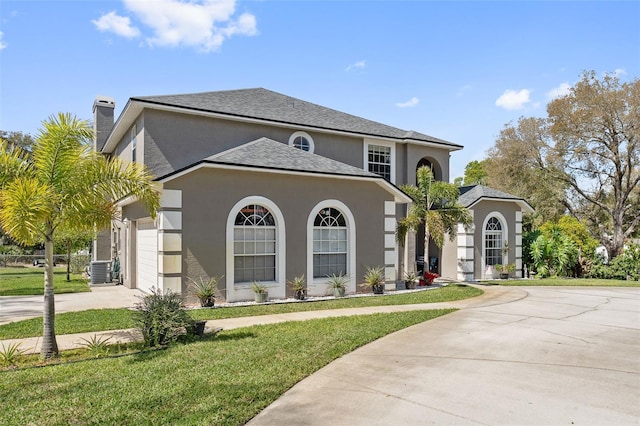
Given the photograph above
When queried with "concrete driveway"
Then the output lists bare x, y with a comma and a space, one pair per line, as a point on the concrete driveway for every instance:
558, 355
15, 308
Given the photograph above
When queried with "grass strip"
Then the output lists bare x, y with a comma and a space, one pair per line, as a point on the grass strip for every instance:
29, 281
224, 381
115, 319
568, 282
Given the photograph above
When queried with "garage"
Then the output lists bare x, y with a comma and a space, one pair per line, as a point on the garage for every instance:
146, 255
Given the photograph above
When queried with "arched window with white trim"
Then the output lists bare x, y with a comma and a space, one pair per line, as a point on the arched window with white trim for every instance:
330, 243
254, 245
303, 141
493, 241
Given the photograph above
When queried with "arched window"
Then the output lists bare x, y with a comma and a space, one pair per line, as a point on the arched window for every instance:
493, 238
330, 246
303, 141
254, 245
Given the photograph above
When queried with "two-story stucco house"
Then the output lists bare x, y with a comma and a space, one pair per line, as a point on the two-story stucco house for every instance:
259, 186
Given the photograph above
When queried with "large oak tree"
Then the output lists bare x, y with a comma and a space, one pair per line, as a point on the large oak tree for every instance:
584, 157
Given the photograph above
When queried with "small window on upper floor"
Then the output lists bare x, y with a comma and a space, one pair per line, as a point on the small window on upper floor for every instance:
134, 142
380, 159
303, 141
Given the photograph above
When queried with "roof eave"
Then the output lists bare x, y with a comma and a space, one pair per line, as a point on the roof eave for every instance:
398, 196
523, 204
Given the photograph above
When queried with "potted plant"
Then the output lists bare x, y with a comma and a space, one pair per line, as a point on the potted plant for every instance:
502, 271
338, 283
205, 291
429, 277
260, 292
298, 286
511, 269
410, 280
374, 279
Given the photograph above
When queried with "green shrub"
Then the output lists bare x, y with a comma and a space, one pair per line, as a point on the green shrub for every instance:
79, 263
161, 318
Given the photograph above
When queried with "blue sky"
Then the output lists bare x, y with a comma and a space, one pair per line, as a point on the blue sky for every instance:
455, 70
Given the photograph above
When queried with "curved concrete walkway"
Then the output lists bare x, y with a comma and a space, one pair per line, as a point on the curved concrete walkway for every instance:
111, 297
538, 355
533, 355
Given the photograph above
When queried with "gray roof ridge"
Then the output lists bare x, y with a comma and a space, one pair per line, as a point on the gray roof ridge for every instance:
343, 121
235, 148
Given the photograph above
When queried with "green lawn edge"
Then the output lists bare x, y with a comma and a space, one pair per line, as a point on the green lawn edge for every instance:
225, 380
29, 281
115, 319
564, 282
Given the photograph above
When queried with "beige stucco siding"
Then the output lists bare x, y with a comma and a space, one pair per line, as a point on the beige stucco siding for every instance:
167, 135
208, 195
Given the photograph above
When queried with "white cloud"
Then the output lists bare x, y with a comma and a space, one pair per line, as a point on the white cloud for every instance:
511, 99
559, 91
120, 25
619, 71
2, 43
205, 24
410, 103
359, 64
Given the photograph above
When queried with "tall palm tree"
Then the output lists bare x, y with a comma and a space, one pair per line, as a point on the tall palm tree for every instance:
435, 205
64, 184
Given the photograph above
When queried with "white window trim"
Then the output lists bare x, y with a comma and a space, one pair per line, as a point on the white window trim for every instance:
134, 143
392, 145
312, 145
243, 291
505, 237
318, 286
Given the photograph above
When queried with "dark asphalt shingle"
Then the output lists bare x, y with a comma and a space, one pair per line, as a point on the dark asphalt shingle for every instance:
471, 194
267, 153
267, 105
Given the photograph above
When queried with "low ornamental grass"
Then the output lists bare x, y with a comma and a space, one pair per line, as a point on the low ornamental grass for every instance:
29, 281
225, 380
115, 319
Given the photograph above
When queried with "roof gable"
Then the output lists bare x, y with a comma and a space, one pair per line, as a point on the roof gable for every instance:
471, 195
267, 155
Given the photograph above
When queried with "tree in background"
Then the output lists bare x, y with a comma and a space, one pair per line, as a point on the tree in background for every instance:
64, 185
72, 240
21, 140
583, 158
435, 205
475, 173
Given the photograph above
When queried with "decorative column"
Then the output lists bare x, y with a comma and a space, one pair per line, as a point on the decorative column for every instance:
465, 240
170, 241
518, 244
390, 246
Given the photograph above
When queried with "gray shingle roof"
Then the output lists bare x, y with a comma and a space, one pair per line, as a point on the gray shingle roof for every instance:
267, 105
470, 194
267, 153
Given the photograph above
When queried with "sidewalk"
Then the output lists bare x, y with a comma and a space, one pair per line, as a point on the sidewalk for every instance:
492, 295
15, 308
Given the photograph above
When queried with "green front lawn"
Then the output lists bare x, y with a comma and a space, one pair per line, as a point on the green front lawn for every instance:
226, 380
29, 281
587, 282
114, 319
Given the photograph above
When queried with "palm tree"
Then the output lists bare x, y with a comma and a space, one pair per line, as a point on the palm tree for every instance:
63, 184
435, 205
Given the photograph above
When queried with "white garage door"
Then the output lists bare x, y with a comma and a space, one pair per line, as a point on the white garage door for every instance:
147, 256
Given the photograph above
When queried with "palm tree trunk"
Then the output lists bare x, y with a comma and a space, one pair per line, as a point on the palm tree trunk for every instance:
49, 344
68, 261
427, 237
